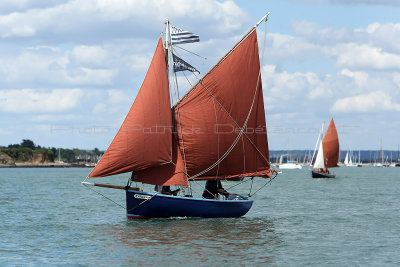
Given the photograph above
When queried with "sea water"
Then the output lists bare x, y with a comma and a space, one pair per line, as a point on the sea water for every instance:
49, 218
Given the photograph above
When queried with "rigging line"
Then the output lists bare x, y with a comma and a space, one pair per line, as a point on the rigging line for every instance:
197, 183
179, 120
180, 128
104, 196
251, 186
180, 170
180, 125
172, 117
241, 182
244, 157
216, 121
184, 74
190, 52
168, 37
141, 203
268, 182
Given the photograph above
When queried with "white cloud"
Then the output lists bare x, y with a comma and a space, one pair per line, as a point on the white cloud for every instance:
285, 47
140, 62
118, 97
89, 55
106, 18
367, 2
351, 2
52, 67
20, 31
360, 56
113, 102
23, 5
360, 78
371, 102
344, 91
28, 100
327, 35
89, 76
383, 35
374, 47
285, 86
56, 118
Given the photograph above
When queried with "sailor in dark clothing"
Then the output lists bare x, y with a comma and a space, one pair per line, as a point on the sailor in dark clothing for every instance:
166, 190
213, 188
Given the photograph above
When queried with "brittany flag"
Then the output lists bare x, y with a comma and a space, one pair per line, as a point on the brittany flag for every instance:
179, 36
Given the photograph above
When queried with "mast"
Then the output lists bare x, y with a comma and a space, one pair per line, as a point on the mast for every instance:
381, 152
167, 38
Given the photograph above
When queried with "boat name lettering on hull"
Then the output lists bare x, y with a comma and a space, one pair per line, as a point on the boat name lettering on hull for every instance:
141, 196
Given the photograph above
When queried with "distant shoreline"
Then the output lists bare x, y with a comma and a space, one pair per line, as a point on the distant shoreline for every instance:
23, 165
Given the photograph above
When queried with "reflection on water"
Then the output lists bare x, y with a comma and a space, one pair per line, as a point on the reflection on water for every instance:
202, 241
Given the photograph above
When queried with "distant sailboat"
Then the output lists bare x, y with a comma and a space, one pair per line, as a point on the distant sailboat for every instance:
328, 153
289, 164
359, 164
348, 160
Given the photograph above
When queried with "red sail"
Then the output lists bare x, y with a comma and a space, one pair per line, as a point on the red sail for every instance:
330, 145
144, 139
210, 118
172, 173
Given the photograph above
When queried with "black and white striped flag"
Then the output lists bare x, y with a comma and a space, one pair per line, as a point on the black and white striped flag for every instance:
179, 36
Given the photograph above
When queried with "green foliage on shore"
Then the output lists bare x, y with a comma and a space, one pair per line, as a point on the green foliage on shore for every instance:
26, 151
20, 154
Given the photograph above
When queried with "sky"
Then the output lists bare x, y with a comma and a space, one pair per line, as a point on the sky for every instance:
70, 69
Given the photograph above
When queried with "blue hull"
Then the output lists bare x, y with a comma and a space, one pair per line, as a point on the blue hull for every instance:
142, 205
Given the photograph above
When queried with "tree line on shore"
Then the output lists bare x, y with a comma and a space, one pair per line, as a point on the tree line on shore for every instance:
26, 150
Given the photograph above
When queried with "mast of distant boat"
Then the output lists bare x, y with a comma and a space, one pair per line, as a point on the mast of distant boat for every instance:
381, 153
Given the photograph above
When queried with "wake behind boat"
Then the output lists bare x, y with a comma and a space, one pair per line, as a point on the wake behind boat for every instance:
193, 140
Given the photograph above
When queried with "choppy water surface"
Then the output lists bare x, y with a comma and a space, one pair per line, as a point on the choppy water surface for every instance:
49, 218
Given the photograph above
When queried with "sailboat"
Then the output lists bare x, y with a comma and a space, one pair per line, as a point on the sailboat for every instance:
289, 164
216, 131
328, 152
359, 164
346, 159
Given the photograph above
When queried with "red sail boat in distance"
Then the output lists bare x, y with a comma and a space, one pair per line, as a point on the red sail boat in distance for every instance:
216, 131
328, 153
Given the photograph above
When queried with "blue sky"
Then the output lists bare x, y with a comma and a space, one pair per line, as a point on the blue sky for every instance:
69, 70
